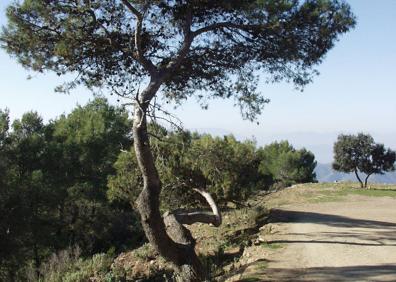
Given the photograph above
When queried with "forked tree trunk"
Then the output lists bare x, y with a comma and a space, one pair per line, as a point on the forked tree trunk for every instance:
366, 180
360, 181
167, 235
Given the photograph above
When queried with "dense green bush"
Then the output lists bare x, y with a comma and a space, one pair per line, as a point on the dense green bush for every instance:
171, 153
229, 166
224, 166
285, 166
231, 170
54, 184
68, 266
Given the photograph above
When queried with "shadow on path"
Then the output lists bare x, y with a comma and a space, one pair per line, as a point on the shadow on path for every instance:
278, 215
386, 272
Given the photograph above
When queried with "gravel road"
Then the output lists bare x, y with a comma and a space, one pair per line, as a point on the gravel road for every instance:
353, 240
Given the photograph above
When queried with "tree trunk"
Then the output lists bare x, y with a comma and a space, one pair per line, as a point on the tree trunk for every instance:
365, 181
59, 229
357, 176
179, 251
12, 274
36, 261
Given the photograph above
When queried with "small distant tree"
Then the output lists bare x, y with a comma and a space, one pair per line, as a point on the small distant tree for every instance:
359, 153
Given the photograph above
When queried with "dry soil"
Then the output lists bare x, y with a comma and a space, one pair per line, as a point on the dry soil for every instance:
352, 240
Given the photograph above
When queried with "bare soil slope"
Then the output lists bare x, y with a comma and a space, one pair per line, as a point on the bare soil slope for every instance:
351, 240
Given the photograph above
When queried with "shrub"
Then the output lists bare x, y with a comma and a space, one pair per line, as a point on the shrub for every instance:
69, 266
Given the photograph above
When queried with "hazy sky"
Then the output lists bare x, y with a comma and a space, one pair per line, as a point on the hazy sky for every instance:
355, 91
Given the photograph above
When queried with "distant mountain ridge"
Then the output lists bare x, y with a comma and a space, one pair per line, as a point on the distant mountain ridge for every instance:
325, 173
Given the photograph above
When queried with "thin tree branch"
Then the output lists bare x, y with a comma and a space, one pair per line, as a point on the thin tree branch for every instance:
185, 47
220, 25
172, 123
171, 119
131, 8
139, 55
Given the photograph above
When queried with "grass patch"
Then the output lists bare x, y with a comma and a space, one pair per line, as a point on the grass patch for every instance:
258, 268
327, 192
326, 199
342, 192
272, 246
375, 193
350, 185
250, 279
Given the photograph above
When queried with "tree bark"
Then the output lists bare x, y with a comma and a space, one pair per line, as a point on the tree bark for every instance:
357, 176
36, 261
167, 235
365, 180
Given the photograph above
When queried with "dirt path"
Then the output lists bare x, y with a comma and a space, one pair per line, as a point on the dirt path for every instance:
352, 240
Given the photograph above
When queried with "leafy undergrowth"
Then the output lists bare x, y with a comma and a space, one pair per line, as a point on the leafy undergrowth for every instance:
221, 248
240, 241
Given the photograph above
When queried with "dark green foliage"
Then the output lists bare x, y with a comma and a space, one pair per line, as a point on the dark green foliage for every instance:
229, 166
54, 183
229, 169
285, 165
359, 153
224, 166
91, 138
172, 156
28, 198
350, 151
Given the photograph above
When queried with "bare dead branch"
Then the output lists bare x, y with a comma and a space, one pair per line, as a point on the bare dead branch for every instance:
173, 120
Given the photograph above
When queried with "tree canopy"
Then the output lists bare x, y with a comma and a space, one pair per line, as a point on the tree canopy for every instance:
53, 180
286, 165
211, 48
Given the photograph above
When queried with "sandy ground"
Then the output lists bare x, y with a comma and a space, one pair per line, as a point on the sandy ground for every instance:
352, 240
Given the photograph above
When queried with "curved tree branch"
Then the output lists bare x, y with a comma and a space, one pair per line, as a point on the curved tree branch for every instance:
185, 47
139, 56
181, 235
213, 218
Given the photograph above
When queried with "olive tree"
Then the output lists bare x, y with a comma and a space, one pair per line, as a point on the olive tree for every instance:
359, 153
169, 50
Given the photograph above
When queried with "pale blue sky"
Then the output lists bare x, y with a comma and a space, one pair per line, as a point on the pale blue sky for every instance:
356, 91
